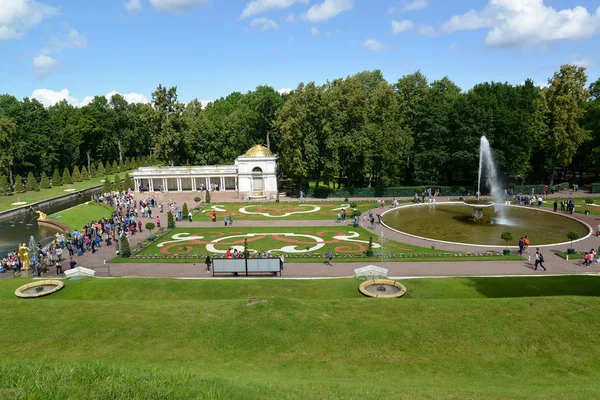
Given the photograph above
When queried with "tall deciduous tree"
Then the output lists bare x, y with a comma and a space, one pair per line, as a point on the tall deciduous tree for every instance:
565, 97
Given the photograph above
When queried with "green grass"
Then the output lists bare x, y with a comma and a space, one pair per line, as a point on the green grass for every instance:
563, 254
45, 194
76, 217
476, 338
326, 211
196, 250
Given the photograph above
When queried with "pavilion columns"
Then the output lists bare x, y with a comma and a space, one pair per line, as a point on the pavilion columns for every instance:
193, 178
165, 187
236, 183
222, 185
179, 184
151, 184
136, 183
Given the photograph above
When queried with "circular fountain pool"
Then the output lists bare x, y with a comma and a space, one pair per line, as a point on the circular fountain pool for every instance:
448, 222
382, 288
39, 288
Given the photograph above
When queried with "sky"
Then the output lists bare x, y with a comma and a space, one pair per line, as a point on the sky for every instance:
76, 49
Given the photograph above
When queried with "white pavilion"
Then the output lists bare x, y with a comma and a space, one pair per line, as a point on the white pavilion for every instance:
254, 175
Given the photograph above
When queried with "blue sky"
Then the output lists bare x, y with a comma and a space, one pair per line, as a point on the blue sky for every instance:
54, 49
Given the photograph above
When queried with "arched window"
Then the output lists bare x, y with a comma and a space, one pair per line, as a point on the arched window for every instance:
257, 170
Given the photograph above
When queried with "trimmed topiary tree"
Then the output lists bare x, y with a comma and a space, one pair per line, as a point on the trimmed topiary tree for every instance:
19, 188
121, 166
115, 167
31, 184
369, 252
184, 210
197, 199
118, 184
150, 226
93, 171
56, 179
572, 236
128, 182
84, 174
125, 250
507, 237
101, 171
44, 182
207, 196
107, 186
170, 220
66, 178
76, 177
128, 164
4, 186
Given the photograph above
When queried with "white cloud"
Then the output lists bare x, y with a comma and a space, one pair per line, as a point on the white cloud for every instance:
427, 30
283, 91
44, 65
402, 26
581, 61
176, 6
133, 5
415, 5
512, 23
49, 97
328, 9
291, 17
130, 97
263, 23
392, 10
372, 45
19, 16
73, 40
256, 7
314, 31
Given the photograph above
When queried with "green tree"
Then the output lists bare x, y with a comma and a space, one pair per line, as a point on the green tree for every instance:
101, 171
150, 226
507, 237
84, 173
125, 249
565, 98
118, 184
66, 177
184, 210
207, 199
31, 184
170, 220
4, 185
19, 188
76, 177
44, 182
115, 167
107, 186
8, 131
93, 171
121, 166
56, 178
168, 132
128, 165
128, 182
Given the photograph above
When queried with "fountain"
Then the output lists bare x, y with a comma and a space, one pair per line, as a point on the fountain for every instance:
39, 289
486, 160
382, 288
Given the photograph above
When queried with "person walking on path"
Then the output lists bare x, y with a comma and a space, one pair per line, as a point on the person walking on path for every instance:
58, 267
208, 262
539, 260
190, 216
521, 246
281, 259
214, 216
157, 221
329, 258
526, 244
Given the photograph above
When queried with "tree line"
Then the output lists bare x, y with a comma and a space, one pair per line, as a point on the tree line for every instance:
358, 131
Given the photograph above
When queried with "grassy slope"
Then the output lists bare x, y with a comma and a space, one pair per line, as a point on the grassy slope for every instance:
76, 217
449, 338
44, 194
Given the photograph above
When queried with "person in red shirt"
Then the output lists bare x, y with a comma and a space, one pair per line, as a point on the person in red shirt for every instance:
214, 216
228, 253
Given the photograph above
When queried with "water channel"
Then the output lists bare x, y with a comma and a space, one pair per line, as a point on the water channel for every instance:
20, 228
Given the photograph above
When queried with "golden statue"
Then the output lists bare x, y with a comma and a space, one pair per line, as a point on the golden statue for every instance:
24, 257
42, 216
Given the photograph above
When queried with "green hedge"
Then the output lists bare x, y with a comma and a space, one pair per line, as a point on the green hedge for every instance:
595, 187
526, 189
323, 193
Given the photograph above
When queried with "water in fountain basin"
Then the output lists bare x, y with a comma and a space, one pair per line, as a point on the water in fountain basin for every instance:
486, 160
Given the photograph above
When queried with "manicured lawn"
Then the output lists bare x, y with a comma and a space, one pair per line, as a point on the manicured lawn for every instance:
580, 205
45, 194
284, 210
477, 338
300, 244
76, 217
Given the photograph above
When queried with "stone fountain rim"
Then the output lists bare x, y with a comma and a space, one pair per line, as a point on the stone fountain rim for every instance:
480, 205
494, 246
57, 286
371, 282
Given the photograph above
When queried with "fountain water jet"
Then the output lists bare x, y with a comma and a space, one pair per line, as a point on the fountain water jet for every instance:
486, 160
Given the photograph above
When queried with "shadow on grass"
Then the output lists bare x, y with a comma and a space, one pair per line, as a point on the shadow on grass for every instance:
534, 287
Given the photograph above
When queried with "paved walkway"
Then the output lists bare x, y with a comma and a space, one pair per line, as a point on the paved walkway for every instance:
556, 265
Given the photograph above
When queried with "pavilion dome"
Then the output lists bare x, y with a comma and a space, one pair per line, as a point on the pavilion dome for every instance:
258, 151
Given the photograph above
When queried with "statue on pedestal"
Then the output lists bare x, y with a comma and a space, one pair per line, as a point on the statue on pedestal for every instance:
42, 216
24, 257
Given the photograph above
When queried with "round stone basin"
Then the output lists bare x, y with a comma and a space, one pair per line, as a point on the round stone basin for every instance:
447, 222
39, 289
384, 288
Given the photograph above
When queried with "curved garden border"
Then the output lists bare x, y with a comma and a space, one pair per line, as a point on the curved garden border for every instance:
480, 245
